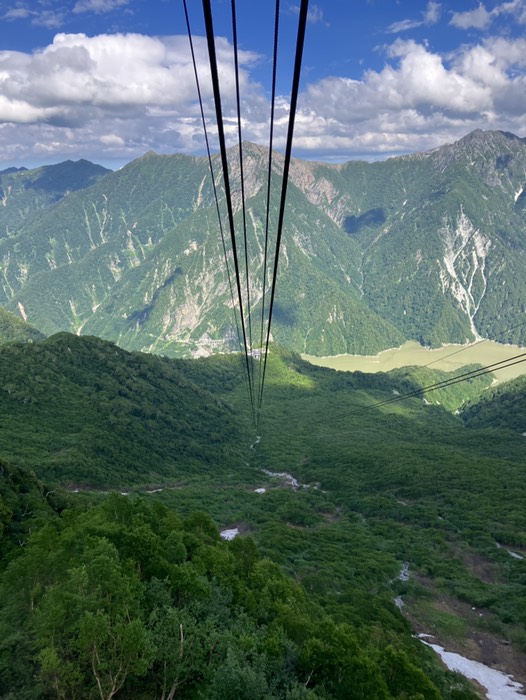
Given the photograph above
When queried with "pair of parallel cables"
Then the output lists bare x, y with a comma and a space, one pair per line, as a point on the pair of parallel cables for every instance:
243, 304
442, 384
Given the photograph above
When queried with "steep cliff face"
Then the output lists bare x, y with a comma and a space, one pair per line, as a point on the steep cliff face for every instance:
428, 247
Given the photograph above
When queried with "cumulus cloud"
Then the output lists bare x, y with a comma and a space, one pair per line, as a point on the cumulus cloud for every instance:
479, 18
418, 100
114, 72
126, 92
118, 96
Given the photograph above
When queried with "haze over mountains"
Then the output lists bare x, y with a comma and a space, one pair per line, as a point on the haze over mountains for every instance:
427, 247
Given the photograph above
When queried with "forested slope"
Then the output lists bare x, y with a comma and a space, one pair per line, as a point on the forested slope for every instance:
339, 491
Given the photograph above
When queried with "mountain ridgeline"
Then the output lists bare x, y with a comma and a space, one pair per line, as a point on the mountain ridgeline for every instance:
429, 247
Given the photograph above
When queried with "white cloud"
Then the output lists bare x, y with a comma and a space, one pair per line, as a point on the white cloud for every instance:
129, 93
112, 140
314, 13
432, 13
115, 72
17, 13
418, 100
49, 18
430, 16
118, 96
22, 112
98, 6
481, 18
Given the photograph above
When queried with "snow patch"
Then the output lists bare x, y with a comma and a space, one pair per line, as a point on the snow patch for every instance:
499, 685
287, 478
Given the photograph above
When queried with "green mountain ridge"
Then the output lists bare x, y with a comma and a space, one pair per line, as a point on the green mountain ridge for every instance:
14, 329
503, 406
88, 412
24, 193
427, 247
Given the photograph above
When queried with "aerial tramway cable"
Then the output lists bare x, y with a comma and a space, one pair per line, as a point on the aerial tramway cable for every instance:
245, 312
481, 371
211, 167
302, 24
241, 171
247, 338
455, 380
228, 195
269, 182
477, 343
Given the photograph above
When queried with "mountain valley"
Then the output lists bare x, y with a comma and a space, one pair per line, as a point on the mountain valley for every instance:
364, 508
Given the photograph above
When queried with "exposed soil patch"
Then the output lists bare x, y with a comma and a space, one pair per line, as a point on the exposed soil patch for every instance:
482, 568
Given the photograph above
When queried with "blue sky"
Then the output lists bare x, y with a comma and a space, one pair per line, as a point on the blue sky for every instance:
109, 80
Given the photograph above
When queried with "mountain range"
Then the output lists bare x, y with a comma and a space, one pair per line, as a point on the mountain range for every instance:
429, 247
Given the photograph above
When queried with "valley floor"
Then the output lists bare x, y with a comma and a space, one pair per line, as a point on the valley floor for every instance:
447, 358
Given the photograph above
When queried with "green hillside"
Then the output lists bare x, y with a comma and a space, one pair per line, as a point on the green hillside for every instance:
503, 406
355, 491
129, 599
24, 193
81, 411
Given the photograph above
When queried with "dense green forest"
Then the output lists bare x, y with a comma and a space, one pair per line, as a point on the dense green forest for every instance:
137, 596
129, 598
503, 406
